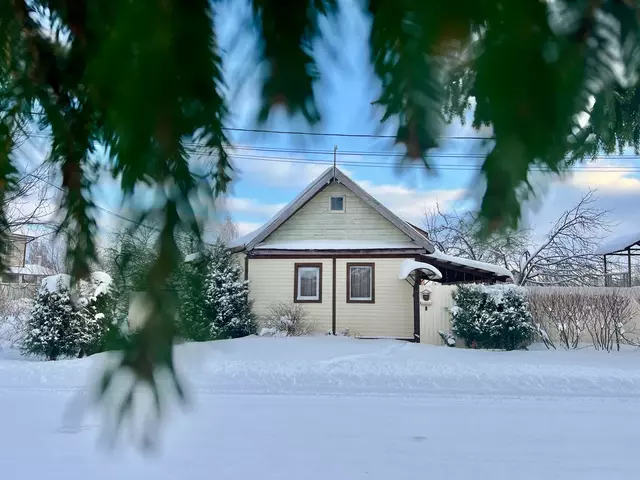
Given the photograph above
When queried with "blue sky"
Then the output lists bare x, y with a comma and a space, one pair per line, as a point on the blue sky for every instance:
345, 92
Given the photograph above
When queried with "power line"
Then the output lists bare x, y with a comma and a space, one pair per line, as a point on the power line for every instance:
341, 135
454, 167
455, 155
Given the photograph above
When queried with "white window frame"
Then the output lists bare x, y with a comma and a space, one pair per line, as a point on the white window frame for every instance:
299, 269
344, 204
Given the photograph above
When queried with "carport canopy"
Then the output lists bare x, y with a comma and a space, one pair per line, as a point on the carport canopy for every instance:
625, 245
409, 266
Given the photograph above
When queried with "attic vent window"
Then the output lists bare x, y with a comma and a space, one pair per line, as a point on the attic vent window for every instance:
337, 204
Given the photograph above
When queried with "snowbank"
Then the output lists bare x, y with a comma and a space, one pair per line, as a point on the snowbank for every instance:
340, 365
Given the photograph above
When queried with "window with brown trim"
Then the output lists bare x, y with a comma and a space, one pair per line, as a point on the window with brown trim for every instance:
307, 283
361, 283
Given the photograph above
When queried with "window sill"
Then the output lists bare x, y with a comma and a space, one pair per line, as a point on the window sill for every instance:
295, 300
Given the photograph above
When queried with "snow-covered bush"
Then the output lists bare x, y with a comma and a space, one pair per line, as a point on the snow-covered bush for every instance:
194, 322
213, 298
227, 296
288, 320
448, 338
492, 316
66, 322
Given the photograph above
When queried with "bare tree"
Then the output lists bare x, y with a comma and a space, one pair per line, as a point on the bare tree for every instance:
48, 251
458, 233
228, 230
564, 257
31, 203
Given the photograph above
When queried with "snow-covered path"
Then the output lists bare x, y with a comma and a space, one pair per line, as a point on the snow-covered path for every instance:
299, 408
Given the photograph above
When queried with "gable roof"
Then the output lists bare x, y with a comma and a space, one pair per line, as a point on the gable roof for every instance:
330, 175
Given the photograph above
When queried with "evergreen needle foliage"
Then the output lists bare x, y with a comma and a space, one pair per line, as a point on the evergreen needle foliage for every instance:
139, 80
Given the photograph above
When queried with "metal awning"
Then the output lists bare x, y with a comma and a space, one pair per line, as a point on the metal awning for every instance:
409, 266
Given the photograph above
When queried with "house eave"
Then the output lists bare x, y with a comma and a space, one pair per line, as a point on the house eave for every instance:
345, 253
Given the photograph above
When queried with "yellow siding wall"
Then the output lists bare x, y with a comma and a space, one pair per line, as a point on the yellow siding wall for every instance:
316, 221
272, 281
391, 315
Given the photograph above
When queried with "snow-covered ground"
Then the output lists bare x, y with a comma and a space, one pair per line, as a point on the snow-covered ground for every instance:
338, 408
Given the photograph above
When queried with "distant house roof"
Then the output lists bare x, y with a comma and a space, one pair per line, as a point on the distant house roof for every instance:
31, 270
619, 244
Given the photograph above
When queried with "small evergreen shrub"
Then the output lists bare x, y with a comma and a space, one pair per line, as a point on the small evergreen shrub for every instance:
227, 302
193, 319
69, 324
492, 316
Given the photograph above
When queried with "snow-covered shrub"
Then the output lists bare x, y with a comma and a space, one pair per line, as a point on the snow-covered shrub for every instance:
492, 316
66, 322
288, 319
194, 323
213, 298
226, 300
448, 338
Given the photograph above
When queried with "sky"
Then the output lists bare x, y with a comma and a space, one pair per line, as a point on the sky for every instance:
347, 90
266, 177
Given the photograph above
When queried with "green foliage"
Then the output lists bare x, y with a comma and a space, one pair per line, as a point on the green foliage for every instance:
227, 296
213, 299
66, 323
492, 316
194, 321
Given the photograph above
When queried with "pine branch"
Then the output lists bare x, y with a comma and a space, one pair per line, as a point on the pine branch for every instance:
288, 31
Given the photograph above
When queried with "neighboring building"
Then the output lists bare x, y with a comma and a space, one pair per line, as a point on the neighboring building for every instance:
19, 271
353, 264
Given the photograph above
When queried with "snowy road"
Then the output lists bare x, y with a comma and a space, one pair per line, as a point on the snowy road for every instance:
328, 437
325, 409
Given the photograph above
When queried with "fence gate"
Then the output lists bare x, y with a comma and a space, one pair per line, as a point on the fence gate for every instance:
436, 316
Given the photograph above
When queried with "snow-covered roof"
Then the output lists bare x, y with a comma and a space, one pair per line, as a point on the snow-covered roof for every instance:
192, 257
410, 265
30, 269
619, 243
465, 262
330, 175
337, 245
101, 281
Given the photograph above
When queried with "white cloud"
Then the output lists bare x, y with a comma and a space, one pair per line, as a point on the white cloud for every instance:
410, 203
618, 191
247, 227
277, 173
235, 205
